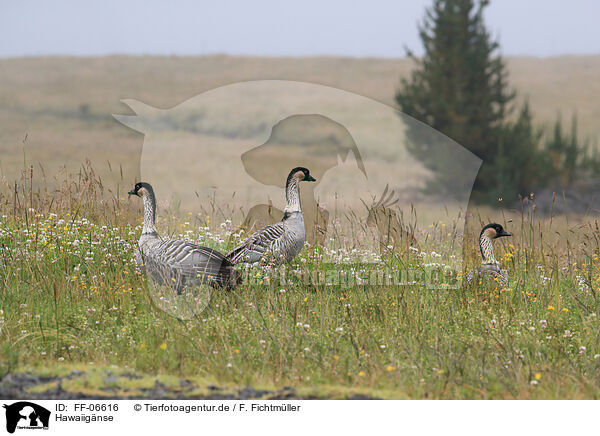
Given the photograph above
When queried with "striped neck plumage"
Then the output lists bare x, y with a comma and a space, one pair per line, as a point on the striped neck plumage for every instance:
292, 196
149, 213
487, 250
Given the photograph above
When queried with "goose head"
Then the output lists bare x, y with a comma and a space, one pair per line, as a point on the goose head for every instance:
300, 174
493, 231
140, 189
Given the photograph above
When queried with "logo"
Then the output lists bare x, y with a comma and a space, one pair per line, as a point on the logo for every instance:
26, 415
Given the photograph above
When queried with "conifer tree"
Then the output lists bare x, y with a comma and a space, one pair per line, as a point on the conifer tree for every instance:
459, 87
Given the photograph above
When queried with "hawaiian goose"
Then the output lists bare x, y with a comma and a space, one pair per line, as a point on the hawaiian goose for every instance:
283, 240
489, 266
174, 262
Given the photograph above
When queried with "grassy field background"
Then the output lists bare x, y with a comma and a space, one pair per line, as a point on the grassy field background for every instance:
74, 305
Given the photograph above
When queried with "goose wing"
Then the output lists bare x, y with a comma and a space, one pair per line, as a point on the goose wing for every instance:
488, 272
253, 248
180, 263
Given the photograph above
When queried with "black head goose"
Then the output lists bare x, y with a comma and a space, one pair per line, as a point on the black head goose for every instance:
175, 262
489, 265
283, 240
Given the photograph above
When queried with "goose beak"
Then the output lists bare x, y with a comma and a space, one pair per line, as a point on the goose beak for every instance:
310, 179
504, 233
132, 192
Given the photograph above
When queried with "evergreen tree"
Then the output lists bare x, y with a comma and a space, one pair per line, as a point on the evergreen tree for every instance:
459, 87
519, 165
568, 158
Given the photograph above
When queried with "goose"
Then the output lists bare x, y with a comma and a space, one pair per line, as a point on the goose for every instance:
489, 265
175, 262
285, 239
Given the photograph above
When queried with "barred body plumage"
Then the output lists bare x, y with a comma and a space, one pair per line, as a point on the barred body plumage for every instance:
280, 242
176, 263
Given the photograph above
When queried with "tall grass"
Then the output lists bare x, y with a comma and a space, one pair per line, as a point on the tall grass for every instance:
70, 293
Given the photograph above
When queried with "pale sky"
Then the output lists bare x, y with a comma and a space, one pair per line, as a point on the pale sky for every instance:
278, 28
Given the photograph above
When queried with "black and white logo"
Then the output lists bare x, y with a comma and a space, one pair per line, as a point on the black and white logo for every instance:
26, 415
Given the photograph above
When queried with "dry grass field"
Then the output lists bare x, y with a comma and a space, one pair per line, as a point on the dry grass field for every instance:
64, 105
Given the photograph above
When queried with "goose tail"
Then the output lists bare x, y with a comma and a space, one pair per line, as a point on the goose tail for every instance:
231, 278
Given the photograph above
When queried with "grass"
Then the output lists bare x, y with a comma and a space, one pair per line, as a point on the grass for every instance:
72, 296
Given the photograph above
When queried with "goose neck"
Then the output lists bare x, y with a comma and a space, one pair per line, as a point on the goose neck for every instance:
292, 196
487, 250
149, 213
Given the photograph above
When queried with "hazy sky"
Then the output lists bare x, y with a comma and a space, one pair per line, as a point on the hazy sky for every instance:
260, 27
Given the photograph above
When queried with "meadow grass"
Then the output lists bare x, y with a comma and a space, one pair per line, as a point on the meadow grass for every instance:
72, 296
